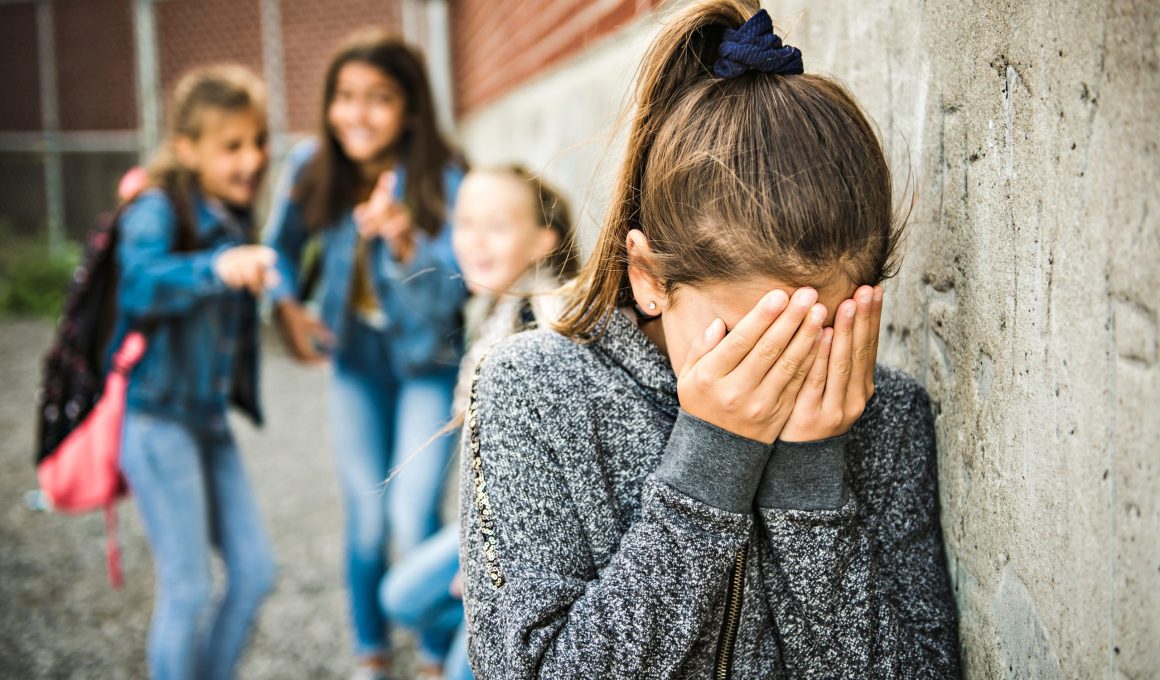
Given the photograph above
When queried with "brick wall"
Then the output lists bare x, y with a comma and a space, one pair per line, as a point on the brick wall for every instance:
95, 53
496, 46
310, 32
20, 105
193, 34
97, 82
96, 74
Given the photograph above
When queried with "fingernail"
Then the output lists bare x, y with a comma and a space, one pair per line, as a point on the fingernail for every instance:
711, 330
866, 295
817, 313
776, 300
850, 309
878, 291
806, 297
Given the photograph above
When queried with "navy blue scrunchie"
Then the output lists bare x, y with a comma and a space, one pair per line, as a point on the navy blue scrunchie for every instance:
755, 47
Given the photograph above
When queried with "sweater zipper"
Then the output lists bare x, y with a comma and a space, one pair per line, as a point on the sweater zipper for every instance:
732, 614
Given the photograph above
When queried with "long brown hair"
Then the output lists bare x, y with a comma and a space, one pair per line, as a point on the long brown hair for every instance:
763, 174
224, 87
331, 181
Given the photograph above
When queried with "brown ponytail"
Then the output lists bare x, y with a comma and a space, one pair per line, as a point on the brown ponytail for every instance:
764, 174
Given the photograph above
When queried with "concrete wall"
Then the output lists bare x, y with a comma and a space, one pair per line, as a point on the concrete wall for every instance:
1029, 299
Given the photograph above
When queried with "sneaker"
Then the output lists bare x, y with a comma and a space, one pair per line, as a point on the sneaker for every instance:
373, 668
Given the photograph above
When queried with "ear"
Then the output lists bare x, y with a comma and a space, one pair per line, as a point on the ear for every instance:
546, 241
183, 148
647, 289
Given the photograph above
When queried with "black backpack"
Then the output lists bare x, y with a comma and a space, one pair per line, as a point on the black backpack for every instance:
74, 368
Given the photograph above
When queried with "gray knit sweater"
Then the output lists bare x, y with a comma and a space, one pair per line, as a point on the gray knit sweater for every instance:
608, 534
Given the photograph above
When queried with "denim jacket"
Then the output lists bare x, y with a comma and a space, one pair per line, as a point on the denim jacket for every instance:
421, 300
202, 335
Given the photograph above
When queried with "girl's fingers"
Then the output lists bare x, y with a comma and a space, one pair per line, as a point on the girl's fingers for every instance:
739, 341
792, 390
362, 220
257, 278
771, 346
795, 362
271, 278
384, 191
841, 356
320, 332
702, 345
265, 255
395, 225
814, 387
864, 343
387, 182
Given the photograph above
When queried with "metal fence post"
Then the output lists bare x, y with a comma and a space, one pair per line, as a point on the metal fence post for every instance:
149, 110
275, 75
50, 124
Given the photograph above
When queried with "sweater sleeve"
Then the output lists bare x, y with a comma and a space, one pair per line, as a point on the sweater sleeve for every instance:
536, 605
858, 592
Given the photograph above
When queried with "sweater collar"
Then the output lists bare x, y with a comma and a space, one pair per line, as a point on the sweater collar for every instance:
621, 340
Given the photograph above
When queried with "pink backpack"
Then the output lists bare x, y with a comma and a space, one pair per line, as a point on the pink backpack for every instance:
81, 405
83, 473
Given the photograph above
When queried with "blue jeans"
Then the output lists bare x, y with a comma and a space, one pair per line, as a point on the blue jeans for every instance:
380, 422
417, 594
192, 494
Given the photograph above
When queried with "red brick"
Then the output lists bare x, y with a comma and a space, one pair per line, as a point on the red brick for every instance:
497, 46
19, 68
96, 71
311, 31
191, 34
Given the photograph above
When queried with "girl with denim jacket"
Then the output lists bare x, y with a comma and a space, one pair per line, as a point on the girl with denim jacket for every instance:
701, 472
376, 188
189, 278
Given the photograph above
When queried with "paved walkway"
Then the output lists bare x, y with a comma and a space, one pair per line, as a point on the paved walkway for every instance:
59, 618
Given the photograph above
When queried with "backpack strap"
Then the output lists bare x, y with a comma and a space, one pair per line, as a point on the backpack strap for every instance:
113, 546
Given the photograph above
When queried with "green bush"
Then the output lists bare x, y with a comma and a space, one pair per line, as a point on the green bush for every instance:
34, 280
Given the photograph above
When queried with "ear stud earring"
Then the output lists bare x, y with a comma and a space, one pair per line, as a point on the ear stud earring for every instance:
652, 305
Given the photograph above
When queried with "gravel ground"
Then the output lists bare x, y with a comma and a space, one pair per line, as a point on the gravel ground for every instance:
58, 616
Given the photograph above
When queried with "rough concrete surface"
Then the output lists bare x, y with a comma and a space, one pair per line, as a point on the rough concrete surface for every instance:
1028, 302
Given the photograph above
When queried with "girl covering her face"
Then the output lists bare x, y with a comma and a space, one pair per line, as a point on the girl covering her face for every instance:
701, 472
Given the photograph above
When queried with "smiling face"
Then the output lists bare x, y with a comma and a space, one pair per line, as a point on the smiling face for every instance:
367, 112
496, 236
229, 156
